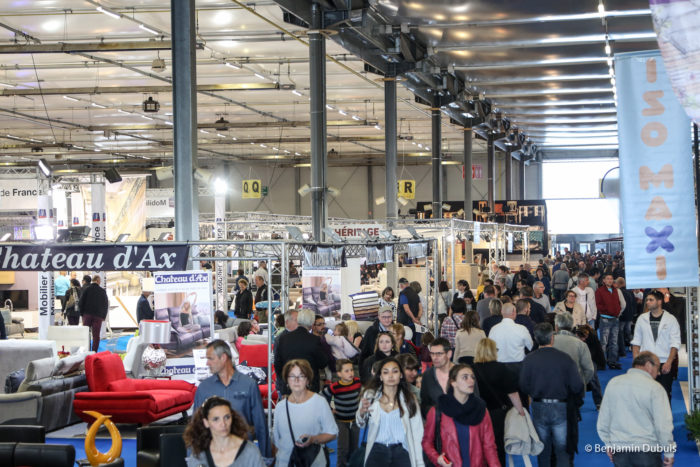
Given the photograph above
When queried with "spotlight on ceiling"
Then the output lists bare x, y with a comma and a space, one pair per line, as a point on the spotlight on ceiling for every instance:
330, 233
221, 124
122, 238
295, 233
43, 232
333, 191
44, 167
203, 175
151, 105
402, 200
6, 236
379, 200
112, 175
158, 65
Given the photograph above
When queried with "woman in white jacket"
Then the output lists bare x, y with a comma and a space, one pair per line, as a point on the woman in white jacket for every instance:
393, 419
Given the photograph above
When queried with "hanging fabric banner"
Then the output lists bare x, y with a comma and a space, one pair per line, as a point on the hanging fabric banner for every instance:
220, 283
417, 250
324, 257
379, 254
656, 176
45, 278
677, 23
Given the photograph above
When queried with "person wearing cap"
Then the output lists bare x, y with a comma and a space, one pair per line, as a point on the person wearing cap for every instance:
410, 307
143, 307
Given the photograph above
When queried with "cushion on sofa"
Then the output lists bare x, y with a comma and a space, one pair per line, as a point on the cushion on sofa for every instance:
40, 368
70, 364
103, 368
13, 381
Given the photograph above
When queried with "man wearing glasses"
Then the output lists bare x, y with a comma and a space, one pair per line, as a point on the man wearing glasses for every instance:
435, 379
240, 390
658, 332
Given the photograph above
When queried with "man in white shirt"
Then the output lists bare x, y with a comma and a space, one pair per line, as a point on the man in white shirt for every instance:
635, 422
585, 296
511, 338
658, 331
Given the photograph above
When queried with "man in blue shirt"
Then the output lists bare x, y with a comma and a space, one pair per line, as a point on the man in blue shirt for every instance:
240, 390
60, 286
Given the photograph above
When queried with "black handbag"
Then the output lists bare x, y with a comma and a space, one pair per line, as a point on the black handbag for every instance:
357, 458
301, 457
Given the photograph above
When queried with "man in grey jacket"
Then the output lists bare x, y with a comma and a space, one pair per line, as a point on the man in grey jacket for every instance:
635, 420
571, 345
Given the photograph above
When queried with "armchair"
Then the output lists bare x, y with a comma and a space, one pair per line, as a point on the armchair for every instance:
129, 400
12, 325
24, 405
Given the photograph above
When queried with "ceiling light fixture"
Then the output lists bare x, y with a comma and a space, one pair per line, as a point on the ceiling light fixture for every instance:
146, 117
220, 135
232, 65
158, 65
70, 98
329, 107
7, 85
342, 112
108, 12
295, 92
221, 124
355, 117
260, 76
99, 106
204, 131
151, 105
147, 29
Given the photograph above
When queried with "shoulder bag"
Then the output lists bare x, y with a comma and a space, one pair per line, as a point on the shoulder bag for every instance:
301, 457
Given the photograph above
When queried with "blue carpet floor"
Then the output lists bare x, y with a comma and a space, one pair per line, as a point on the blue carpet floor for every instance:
686, 455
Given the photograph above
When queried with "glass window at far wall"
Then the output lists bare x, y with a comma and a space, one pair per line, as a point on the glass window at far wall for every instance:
572, 192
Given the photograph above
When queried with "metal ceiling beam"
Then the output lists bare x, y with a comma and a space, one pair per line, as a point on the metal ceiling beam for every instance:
541, 19
646, 36
232, 125
532, 63
143, 89
538, 79
517, 93
62, 47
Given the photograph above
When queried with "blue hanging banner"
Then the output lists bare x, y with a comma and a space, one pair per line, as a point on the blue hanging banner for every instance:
656, 176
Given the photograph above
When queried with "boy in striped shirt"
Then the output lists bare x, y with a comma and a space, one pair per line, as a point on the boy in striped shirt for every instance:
345, 396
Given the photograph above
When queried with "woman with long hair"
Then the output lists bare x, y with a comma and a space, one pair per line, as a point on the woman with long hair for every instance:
444, 301
498, 387
218, 435
467, 338
304, 413
72, 313
465, 425
384, 346
391, 413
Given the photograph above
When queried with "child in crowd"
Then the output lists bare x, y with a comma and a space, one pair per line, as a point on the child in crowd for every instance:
341, 347
424, 351
344, 395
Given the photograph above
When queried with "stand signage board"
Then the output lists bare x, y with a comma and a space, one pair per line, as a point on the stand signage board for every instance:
251, 189
407, 189
656, 176
87, 257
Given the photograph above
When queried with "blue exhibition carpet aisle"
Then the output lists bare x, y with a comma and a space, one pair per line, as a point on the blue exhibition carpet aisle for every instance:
686, 455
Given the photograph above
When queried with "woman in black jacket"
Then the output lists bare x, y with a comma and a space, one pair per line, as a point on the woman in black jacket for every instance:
384, 347
72, 299
243, 306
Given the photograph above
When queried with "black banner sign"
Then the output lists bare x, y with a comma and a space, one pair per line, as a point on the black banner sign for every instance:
94, 257
380, 254
324, 257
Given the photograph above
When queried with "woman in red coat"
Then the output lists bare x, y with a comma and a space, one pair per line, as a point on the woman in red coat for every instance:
465, 425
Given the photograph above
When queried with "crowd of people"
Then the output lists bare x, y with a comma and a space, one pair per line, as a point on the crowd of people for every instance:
525, 345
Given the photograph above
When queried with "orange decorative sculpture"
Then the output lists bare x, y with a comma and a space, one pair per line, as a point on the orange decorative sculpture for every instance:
93, 455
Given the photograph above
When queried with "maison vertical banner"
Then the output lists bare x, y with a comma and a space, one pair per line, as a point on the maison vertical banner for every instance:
656, 176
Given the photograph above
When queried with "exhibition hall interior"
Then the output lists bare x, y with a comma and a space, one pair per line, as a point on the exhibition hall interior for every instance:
212, 206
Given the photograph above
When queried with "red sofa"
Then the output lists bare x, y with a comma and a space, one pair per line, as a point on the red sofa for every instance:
129, 400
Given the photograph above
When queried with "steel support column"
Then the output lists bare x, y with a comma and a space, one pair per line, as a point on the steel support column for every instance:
317, 70
509, 175
437, 162
467, 173
521, 177
390, 133
370, 193
185, 119
297, 196
491, 170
